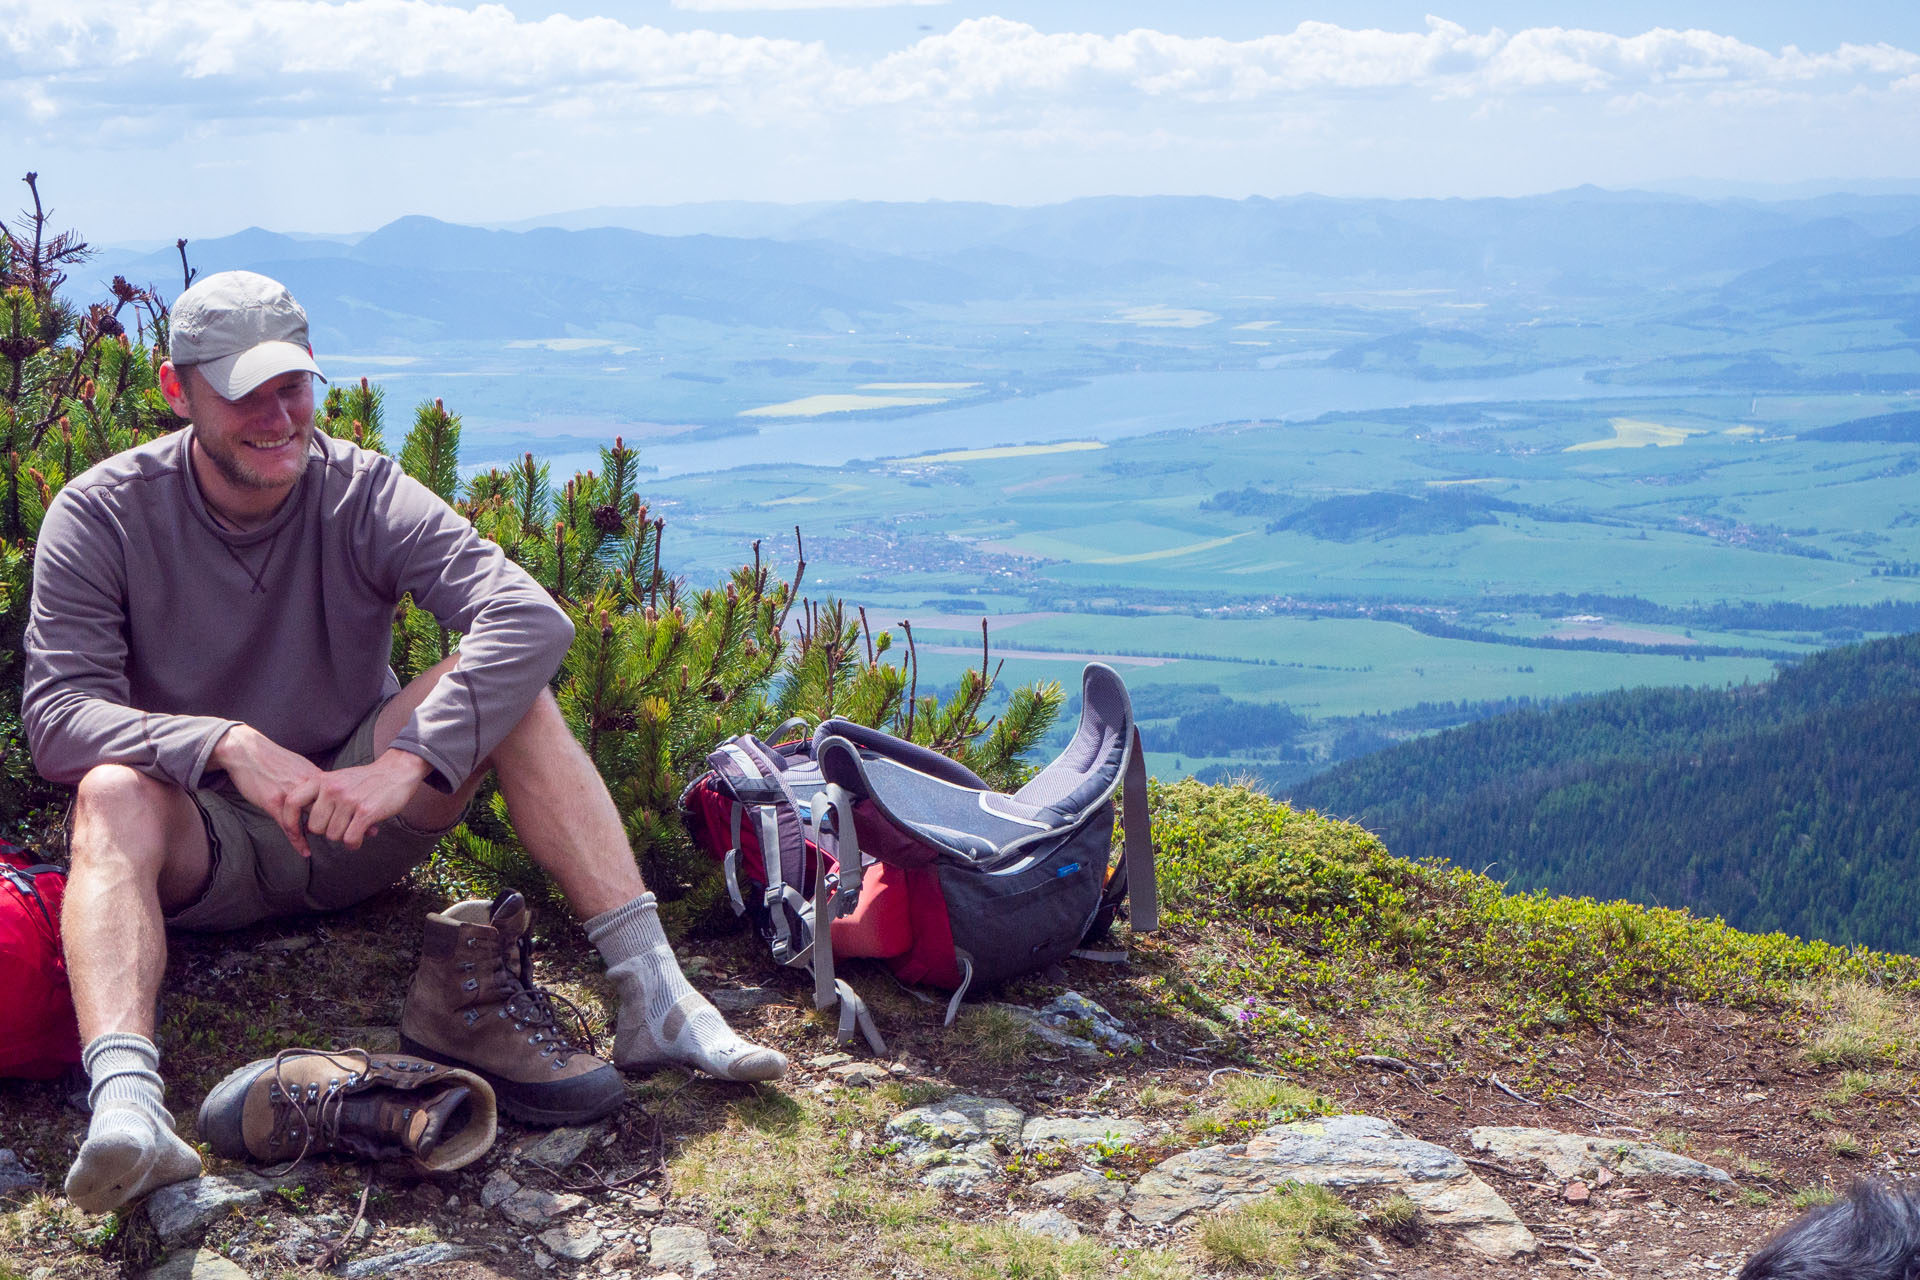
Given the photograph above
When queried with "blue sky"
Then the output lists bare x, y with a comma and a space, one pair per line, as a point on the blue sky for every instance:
149, 121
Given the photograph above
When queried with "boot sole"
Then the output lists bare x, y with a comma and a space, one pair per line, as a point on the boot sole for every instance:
512, 1096
220, 1114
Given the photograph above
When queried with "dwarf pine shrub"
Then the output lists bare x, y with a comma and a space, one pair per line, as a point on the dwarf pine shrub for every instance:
1318, 910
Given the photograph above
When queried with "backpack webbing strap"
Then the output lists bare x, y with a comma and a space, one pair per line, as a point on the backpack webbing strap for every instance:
22, 878
828, 990
959, 993
1143, 894
731, 865
753, 777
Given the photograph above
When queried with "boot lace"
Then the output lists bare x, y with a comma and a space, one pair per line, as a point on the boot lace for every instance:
318, 1113
309, 1109
535, 1006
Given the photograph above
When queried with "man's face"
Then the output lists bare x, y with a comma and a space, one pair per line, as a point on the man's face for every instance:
259, 441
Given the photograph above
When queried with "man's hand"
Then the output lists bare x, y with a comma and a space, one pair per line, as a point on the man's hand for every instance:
278, 782
345, 806
350, 803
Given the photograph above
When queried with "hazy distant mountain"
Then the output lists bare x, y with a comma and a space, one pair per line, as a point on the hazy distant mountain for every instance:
808, 267
420, 279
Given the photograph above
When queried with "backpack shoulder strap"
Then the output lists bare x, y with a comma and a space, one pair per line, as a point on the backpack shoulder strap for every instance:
1143, 893
835, 804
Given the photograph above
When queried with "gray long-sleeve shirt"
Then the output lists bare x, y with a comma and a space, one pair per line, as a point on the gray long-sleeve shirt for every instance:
155, 629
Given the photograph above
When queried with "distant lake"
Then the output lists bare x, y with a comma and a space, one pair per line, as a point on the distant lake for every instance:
1106, 407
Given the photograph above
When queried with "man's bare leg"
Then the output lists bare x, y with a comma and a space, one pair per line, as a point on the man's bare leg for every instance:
570, 827
138, 848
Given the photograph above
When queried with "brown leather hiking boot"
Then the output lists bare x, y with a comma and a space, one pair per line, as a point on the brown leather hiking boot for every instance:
303, 1102
473, 1004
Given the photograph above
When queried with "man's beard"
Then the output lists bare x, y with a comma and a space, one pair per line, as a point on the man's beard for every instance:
230, 461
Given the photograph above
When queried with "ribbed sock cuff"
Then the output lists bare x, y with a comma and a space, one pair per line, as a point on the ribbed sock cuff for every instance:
124, 1071
628, 931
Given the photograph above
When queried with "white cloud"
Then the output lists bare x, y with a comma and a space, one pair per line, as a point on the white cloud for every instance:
610, 97
317, 57
756, 6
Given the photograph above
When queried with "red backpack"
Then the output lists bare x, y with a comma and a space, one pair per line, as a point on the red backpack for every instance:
38, 1036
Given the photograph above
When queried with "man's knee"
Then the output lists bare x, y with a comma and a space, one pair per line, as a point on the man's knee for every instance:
120, 812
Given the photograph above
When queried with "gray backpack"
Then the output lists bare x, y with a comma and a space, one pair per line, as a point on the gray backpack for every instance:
952, 884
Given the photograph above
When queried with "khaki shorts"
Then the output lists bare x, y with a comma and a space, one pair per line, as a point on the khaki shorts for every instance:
256, 874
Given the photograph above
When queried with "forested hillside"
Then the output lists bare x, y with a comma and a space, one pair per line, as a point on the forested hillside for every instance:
1793, 805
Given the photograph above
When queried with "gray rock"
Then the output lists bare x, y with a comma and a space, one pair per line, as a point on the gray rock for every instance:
425, 1255
286, 946
955, 1143
500, 1188
200, 1264
575, 1241
1082, 1187
1569, 1156
1080, 1131
961, 1118
1074, 1022
15, 1176
1338, 1152
863, 1075
741, 999
183, 1210
561, 1147
1050, 1223
681, 1249
531, 1207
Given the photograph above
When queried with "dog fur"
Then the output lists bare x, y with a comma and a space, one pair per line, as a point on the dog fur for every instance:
1874, 1234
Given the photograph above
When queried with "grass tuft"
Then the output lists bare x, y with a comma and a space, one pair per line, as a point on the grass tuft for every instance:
1858, 1024
1400, 1219
992, 1035
1002, 1251
1275, 1230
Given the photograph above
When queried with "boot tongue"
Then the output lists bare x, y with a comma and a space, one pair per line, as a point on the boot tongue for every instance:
509, 915
441, 1118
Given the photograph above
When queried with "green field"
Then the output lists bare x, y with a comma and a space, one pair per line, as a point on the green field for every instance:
1290, 563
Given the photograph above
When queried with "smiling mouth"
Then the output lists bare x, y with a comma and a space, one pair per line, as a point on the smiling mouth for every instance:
265, 445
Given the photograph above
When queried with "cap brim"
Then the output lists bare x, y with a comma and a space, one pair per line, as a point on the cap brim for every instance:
232, 377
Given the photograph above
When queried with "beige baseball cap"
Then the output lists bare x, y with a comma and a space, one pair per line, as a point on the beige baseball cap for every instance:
240, 328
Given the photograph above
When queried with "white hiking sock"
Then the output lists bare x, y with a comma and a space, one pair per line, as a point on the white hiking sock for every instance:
131, 1147
663, 1020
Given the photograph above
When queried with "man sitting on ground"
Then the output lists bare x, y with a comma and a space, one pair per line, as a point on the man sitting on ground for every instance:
207, 660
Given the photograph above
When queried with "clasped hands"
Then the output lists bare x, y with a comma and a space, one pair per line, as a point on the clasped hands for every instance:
344, 805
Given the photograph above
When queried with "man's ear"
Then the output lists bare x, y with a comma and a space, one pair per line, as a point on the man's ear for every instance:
173, 385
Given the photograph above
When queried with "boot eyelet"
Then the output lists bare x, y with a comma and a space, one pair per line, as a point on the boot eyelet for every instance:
471, 984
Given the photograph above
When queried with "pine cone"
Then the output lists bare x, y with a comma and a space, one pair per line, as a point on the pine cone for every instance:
608, 520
